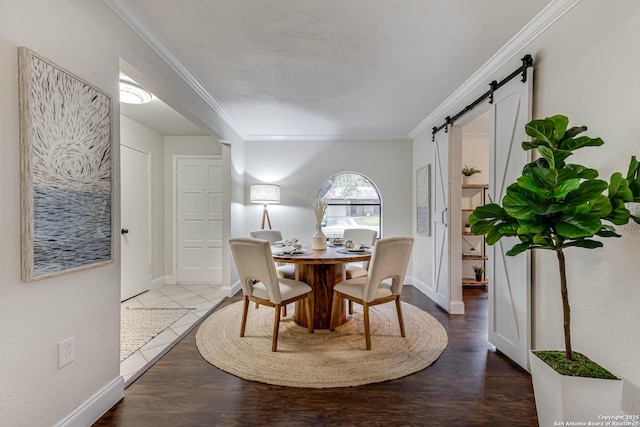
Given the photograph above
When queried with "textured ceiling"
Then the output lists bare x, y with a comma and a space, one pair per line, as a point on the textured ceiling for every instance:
334, 69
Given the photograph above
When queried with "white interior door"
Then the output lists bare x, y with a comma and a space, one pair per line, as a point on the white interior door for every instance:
509, 277
135, 169
441, 219
199, 220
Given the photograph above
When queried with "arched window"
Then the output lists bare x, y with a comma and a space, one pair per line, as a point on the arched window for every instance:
354, 202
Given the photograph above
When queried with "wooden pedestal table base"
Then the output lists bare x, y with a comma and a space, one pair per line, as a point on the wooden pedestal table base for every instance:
322, 270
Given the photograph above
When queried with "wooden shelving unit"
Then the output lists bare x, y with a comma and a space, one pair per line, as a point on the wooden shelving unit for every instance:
482, 257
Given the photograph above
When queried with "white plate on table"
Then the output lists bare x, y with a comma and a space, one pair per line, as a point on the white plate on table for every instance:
300, 252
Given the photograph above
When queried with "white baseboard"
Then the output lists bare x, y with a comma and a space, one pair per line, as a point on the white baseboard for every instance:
159, 281
233, 289
456, 307
423, 287
96, 406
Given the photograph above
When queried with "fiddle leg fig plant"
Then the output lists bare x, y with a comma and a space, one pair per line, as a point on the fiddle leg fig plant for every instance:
557, 205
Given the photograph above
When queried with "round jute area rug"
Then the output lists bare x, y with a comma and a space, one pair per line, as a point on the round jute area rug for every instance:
323, 359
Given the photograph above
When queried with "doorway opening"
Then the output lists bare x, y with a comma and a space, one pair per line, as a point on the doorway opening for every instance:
474, 162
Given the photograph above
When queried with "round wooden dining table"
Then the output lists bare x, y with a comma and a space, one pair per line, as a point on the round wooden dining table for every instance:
322, 270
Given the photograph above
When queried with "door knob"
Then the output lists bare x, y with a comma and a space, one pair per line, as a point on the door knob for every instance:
124, 231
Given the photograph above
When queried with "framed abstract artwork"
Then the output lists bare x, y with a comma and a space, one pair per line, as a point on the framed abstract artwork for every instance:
66, 170
423, 200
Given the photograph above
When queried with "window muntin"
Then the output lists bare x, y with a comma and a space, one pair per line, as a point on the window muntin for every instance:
353, 202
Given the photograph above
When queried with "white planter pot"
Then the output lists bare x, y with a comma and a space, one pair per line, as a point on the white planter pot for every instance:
561, 398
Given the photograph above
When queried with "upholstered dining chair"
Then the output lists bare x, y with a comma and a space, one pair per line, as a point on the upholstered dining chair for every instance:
361, 236
261, 284
273, 236
382, 284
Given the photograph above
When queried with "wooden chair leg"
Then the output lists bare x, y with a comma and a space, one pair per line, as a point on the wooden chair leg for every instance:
350, 307
310, 308
245, 309
334, 311
284, 311
367, 329
400, 318
257, 306
276, 327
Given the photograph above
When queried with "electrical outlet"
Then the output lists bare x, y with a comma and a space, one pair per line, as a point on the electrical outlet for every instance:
66, 352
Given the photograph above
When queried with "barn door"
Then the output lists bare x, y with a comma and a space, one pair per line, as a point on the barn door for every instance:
509, 277
440, 218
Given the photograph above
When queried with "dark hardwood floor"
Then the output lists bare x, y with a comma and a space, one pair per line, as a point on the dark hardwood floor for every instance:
469, 385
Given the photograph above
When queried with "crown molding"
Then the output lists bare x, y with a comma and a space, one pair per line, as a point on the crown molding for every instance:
543, 20
149, 35
256, 138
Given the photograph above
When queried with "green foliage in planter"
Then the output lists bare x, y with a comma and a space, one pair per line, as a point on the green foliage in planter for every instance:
468, 171
557, 205
580, 366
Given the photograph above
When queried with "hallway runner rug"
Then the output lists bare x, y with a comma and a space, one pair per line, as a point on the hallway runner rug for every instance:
323, 359
139, 325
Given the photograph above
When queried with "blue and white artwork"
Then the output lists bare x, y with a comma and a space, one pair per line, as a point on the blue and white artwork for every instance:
66, 158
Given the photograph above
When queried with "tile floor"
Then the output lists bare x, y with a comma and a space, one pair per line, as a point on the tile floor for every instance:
202, 298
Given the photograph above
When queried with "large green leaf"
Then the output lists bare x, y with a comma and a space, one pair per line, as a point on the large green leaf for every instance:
619, 188
582, 172
541, 239
548, 177
583, 141
584, 243
519, 248
560, 124
554, 157
576, 130
619, 214
508, 229
575, 226
534, 185
600, 207
547, 154
518, 205
490, 210
607, 231
565, 188
540, 129
493, 236
634, 169
529, 145
587, 192
534, 226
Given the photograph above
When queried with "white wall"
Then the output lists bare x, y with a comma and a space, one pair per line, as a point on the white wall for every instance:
422, 266
180, 145
135, 135
88, 39
584, 69
591, 77
234, 156
301, 167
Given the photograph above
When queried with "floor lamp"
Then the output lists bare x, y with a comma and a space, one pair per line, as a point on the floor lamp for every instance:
265, 194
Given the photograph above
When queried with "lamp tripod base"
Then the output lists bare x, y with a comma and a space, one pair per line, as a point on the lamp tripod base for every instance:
265, 216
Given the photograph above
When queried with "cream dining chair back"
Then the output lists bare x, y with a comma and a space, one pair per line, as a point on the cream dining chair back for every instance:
382, 284
272, 236
261, 284
361, 236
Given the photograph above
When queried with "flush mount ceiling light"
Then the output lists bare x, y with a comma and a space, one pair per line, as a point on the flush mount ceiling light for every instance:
132, 93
